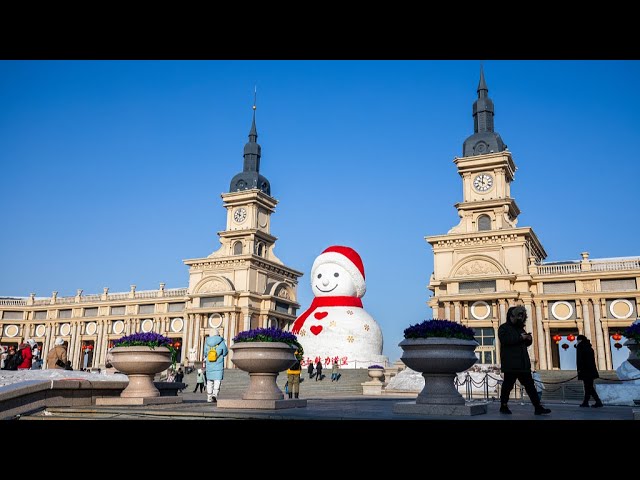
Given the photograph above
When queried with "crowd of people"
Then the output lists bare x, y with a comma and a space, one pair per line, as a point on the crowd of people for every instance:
25, 357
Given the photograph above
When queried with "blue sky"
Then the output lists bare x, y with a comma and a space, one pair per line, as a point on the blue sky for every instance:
113, 170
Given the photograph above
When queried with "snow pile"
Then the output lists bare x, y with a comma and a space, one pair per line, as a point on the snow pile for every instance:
412, 381
9, 377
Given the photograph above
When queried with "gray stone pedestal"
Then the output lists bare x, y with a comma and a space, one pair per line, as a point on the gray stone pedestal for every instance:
440, 409
239, 403
373, 387
137, 400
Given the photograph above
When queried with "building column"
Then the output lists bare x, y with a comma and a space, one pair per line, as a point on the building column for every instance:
607, 349
456, 311
602, 363
547, 336
585, 319
541, 338
73, 345
533, 354
186, 330
496, 343
447, 311
98, 347
503, 311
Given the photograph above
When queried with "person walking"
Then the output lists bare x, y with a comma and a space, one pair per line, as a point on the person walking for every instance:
215, 368
318, 370
199, 381
516, 365
310, 370
587, 370
334, 371
57, 356
293, 378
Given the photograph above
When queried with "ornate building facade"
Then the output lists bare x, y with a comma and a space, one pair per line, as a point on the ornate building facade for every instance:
242, 285
486, 264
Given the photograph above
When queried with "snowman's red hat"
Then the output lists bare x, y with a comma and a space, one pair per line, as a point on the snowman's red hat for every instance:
348, 259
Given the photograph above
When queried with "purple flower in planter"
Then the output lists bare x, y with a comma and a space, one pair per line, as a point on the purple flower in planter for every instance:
376, 366
148, 339
270, 334
439, 328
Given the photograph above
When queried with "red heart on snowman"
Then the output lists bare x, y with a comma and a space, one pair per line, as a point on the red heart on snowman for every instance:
320, 315
316, 329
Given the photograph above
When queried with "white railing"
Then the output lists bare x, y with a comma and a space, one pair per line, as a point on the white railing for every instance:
91, 298
607, 266
175, 292
172, 292
118, 296
562, 268
11, 302
65, 300
148, 294
596, 266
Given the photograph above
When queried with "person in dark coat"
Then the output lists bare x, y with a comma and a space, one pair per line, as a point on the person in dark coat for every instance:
514, 358
587, 371
310, 370
318, 370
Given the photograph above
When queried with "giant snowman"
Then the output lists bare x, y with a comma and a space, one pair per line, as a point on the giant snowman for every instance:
336, 327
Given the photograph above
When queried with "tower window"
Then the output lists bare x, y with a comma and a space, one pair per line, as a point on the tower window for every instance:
237, 248
260, 249
484, 223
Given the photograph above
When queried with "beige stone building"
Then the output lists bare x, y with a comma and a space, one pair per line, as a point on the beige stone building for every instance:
242, 285
486, 264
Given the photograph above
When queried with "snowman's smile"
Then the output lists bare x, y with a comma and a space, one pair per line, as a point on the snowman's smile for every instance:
327, 291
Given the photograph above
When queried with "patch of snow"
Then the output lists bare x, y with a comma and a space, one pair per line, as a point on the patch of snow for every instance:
10, 377
627, 371
410, 380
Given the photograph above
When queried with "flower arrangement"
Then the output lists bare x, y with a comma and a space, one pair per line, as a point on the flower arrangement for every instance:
633, 332
271, 335
439, 328
149, 339
376, 366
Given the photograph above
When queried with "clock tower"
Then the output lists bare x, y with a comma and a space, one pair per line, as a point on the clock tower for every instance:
243, 284
487, 170
481, 266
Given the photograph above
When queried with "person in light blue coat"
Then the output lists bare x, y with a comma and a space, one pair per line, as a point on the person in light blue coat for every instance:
215, 370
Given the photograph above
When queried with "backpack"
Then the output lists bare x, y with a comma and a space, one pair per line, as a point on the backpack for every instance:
212, 356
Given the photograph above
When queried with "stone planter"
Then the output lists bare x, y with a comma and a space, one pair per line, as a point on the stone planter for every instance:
140, 364
633, 358
376, 374
439, 359
263, 361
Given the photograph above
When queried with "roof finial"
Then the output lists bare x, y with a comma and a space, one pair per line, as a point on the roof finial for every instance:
482, 85
254, 133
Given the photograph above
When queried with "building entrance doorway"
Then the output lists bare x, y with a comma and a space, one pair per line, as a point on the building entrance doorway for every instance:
563, 352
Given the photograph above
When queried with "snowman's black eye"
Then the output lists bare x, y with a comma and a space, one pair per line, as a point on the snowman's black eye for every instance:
336, 274
319, 275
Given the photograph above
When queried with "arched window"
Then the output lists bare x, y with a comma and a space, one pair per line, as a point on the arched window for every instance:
237, 248
260, 249
484, 223
273, 323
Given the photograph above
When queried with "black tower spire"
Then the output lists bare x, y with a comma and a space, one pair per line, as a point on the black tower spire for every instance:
484, 140
250, 176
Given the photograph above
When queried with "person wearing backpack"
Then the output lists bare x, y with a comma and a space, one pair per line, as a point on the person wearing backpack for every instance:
57, 356
215, 349
27, 356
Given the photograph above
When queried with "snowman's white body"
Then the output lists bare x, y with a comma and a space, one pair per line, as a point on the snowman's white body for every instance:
347, 334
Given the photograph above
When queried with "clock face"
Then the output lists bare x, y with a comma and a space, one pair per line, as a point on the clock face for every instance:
483, 182
239, 215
